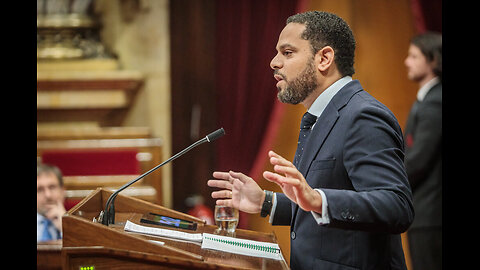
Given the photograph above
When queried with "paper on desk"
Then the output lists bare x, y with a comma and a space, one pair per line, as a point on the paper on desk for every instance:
216, 242
242, 246
132, 227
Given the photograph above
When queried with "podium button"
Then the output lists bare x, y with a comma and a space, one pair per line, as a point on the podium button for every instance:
292, 235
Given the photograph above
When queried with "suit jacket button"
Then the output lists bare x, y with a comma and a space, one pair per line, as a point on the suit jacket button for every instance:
292, 235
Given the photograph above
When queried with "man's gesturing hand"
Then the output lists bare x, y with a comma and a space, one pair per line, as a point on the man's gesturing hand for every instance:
238, 191
293, 184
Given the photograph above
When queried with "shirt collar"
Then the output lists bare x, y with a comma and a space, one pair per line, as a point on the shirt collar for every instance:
40, 218
423, 91
324, 98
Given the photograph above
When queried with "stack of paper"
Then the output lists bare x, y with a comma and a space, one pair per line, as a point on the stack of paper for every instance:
242, 246
216, 242
132, 227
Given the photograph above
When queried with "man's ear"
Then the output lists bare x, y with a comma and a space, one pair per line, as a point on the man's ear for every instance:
325, 58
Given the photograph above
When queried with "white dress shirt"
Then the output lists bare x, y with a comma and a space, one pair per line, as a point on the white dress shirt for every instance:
41, 224
423, 91
317, 109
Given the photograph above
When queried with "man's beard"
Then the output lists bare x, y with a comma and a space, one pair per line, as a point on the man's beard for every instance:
297, 90
416, 77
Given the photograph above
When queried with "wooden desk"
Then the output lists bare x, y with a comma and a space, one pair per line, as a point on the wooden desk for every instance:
49, 255
87, 243
213, 256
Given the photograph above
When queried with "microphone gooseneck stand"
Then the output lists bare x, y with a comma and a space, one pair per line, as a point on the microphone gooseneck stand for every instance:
109, 213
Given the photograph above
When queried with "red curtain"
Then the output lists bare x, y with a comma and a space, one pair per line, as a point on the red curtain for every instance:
273, 123
75, 162
247, 32
427, 15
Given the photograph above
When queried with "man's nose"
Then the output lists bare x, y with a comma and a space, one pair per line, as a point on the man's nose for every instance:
406, 62
47, 193
276, 63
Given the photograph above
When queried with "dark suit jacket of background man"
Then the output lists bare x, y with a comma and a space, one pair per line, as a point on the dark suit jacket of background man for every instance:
355, 155
424, 161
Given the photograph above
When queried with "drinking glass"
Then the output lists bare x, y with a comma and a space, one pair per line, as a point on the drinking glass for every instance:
226, 218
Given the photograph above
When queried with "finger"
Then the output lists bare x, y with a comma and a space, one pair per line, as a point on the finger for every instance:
52, 215
292, 171
238, 175
224, 202
280, 180
222, 194
221, 175
273, 154
268, 175
219, 184
272, 177
60, 206
237, 184
276, 159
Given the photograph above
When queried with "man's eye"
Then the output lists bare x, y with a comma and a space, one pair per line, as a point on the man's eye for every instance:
287, 53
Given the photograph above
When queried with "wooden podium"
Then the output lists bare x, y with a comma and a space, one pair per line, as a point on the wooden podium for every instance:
91, 245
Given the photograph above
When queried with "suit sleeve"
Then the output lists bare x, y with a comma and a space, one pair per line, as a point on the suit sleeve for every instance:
283, 210
373, 159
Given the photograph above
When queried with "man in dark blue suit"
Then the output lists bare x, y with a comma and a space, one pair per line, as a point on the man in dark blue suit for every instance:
346, 195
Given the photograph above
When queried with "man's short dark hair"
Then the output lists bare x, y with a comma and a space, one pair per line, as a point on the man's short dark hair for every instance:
47, 168
327, 29
430, 44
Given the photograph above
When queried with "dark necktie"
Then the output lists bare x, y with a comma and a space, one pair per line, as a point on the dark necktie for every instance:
305, 127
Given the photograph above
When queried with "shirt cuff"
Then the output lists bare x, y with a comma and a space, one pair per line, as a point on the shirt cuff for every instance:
322, 219
274, 206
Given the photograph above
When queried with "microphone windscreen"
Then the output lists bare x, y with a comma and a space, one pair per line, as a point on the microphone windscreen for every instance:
215, 135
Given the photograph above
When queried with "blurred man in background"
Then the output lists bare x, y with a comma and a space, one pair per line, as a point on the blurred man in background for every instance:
423, 152
50, 199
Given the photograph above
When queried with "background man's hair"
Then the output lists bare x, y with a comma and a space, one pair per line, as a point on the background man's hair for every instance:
47, 168
430, 44
327, 29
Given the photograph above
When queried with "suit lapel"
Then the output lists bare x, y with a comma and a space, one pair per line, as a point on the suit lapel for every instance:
325, 123
322, 129
315, 141
317, 137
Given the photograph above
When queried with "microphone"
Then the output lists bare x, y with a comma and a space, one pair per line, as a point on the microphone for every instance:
108, 216
215, 135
